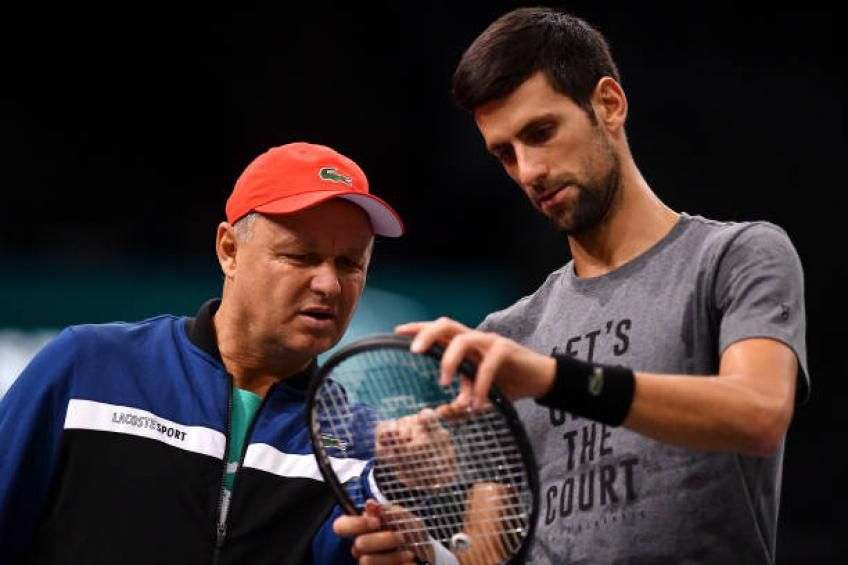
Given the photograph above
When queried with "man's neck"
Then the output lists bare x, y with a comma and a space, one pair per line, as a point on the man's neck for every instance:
255, 379
637, 221
250, 368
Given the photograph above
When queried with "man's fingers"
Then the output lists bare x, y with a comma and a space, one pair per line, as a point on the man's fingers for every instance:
373, 507
410, 328
472, 346
372, 545
384, 541
405, 557
380, 548
462, 402
453, 412
428, 421
352, 526
392, 433
370, 520
385, 430
386, 433
442, 330
487, 369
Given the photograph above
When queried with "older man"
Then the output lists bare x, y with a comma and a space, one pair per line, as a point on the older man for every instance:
182, 440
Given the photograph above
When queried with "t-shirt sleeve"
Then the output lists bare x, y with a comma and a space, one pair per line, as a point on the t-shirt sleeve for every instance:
486, 325
759, 292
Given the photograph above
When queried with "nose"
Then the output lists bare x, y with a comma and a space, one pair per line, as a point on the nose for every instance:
530, 167
325, 280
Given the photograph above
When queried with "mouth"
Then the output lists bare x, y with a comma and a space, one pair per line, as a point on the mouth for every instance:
319, 314
552, 196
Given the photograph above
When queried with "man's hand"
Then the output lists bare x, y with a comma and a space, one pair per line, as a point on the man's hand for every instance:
517, 371
375, 544
418, 450
489, 515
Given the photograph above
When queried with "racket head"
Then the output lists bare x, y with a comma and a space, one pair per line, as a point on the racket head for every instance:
490, 476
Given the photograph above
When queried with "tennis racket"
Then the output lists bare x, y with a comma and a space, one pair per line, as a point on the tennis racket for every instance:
459, 486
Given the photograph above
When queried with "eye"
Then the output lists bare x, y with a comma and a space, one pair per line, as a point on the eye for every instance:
539, 134
350, 264
299, 258
505, 155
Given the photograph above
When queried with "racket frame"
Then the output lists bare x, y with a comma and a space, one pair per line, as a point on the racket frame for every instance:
467, 369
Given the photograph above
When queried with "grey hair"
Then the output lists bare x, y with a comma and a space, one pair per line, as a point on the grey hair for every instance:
244, 226
244, 229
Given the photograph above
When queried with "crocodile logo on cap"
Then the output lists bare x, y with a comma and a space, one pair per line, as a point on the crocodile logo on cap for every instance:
330, 174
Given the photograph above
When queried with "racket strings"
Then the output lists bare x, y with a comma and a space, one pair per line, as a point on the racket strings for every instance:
480, 516
468, 479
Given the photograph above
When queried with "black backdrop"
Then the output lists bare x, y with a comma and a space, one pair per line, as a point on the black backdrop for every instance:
125, 128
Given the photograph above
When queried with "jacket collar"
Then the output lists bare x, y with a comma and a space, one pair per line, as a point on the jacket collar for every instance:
201, 333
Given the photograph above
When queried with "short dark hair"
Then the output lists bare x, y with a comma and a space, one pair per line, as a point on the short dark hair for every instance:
573, 55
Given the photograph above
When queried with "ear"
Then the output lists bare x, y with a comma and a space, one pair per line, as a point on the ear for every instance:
226, 246
610, 104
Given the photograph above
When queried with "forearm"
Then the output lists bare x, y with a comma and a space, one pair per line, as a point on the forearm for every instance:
712, 413
746, 408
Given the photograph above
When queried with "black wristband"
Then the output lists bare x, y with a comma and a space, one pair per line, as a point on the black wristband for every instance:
602, 393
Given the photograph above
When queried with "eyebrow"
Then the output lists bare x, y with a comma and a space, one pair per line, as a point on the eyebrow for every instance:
531, 124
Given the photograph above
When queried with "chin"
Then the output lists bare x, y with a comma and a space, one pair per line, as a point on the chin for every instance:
315, 345
565, 222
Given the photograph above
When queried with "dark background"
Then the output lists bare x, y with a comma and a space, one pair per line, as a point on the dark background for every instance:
124, 130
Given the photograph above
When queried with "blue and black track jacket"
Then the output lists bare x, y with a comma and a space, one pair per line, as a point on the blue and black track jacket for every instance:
113, 450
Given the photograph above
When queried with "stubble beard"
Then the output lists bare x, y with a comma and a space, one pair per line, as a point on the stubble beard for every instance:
596, 193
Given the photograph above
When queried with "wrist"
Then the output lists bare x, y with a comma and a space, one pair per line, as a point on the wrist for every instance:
547, 376
603, 393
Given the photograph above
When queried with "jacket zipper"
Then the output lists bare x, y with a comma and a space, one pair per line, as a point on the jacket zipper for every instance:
221, 530
224, 517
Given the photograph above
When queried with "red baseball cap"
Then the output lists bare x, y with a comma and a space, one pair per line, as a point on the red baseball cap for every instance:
295, 176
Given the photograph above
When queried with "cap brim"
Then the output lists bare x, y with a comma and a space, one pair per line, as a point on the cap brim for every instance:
384, 220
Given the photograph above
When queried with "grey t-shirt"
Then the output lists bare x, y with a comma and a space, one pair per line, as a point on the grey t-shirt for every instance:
609, 495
